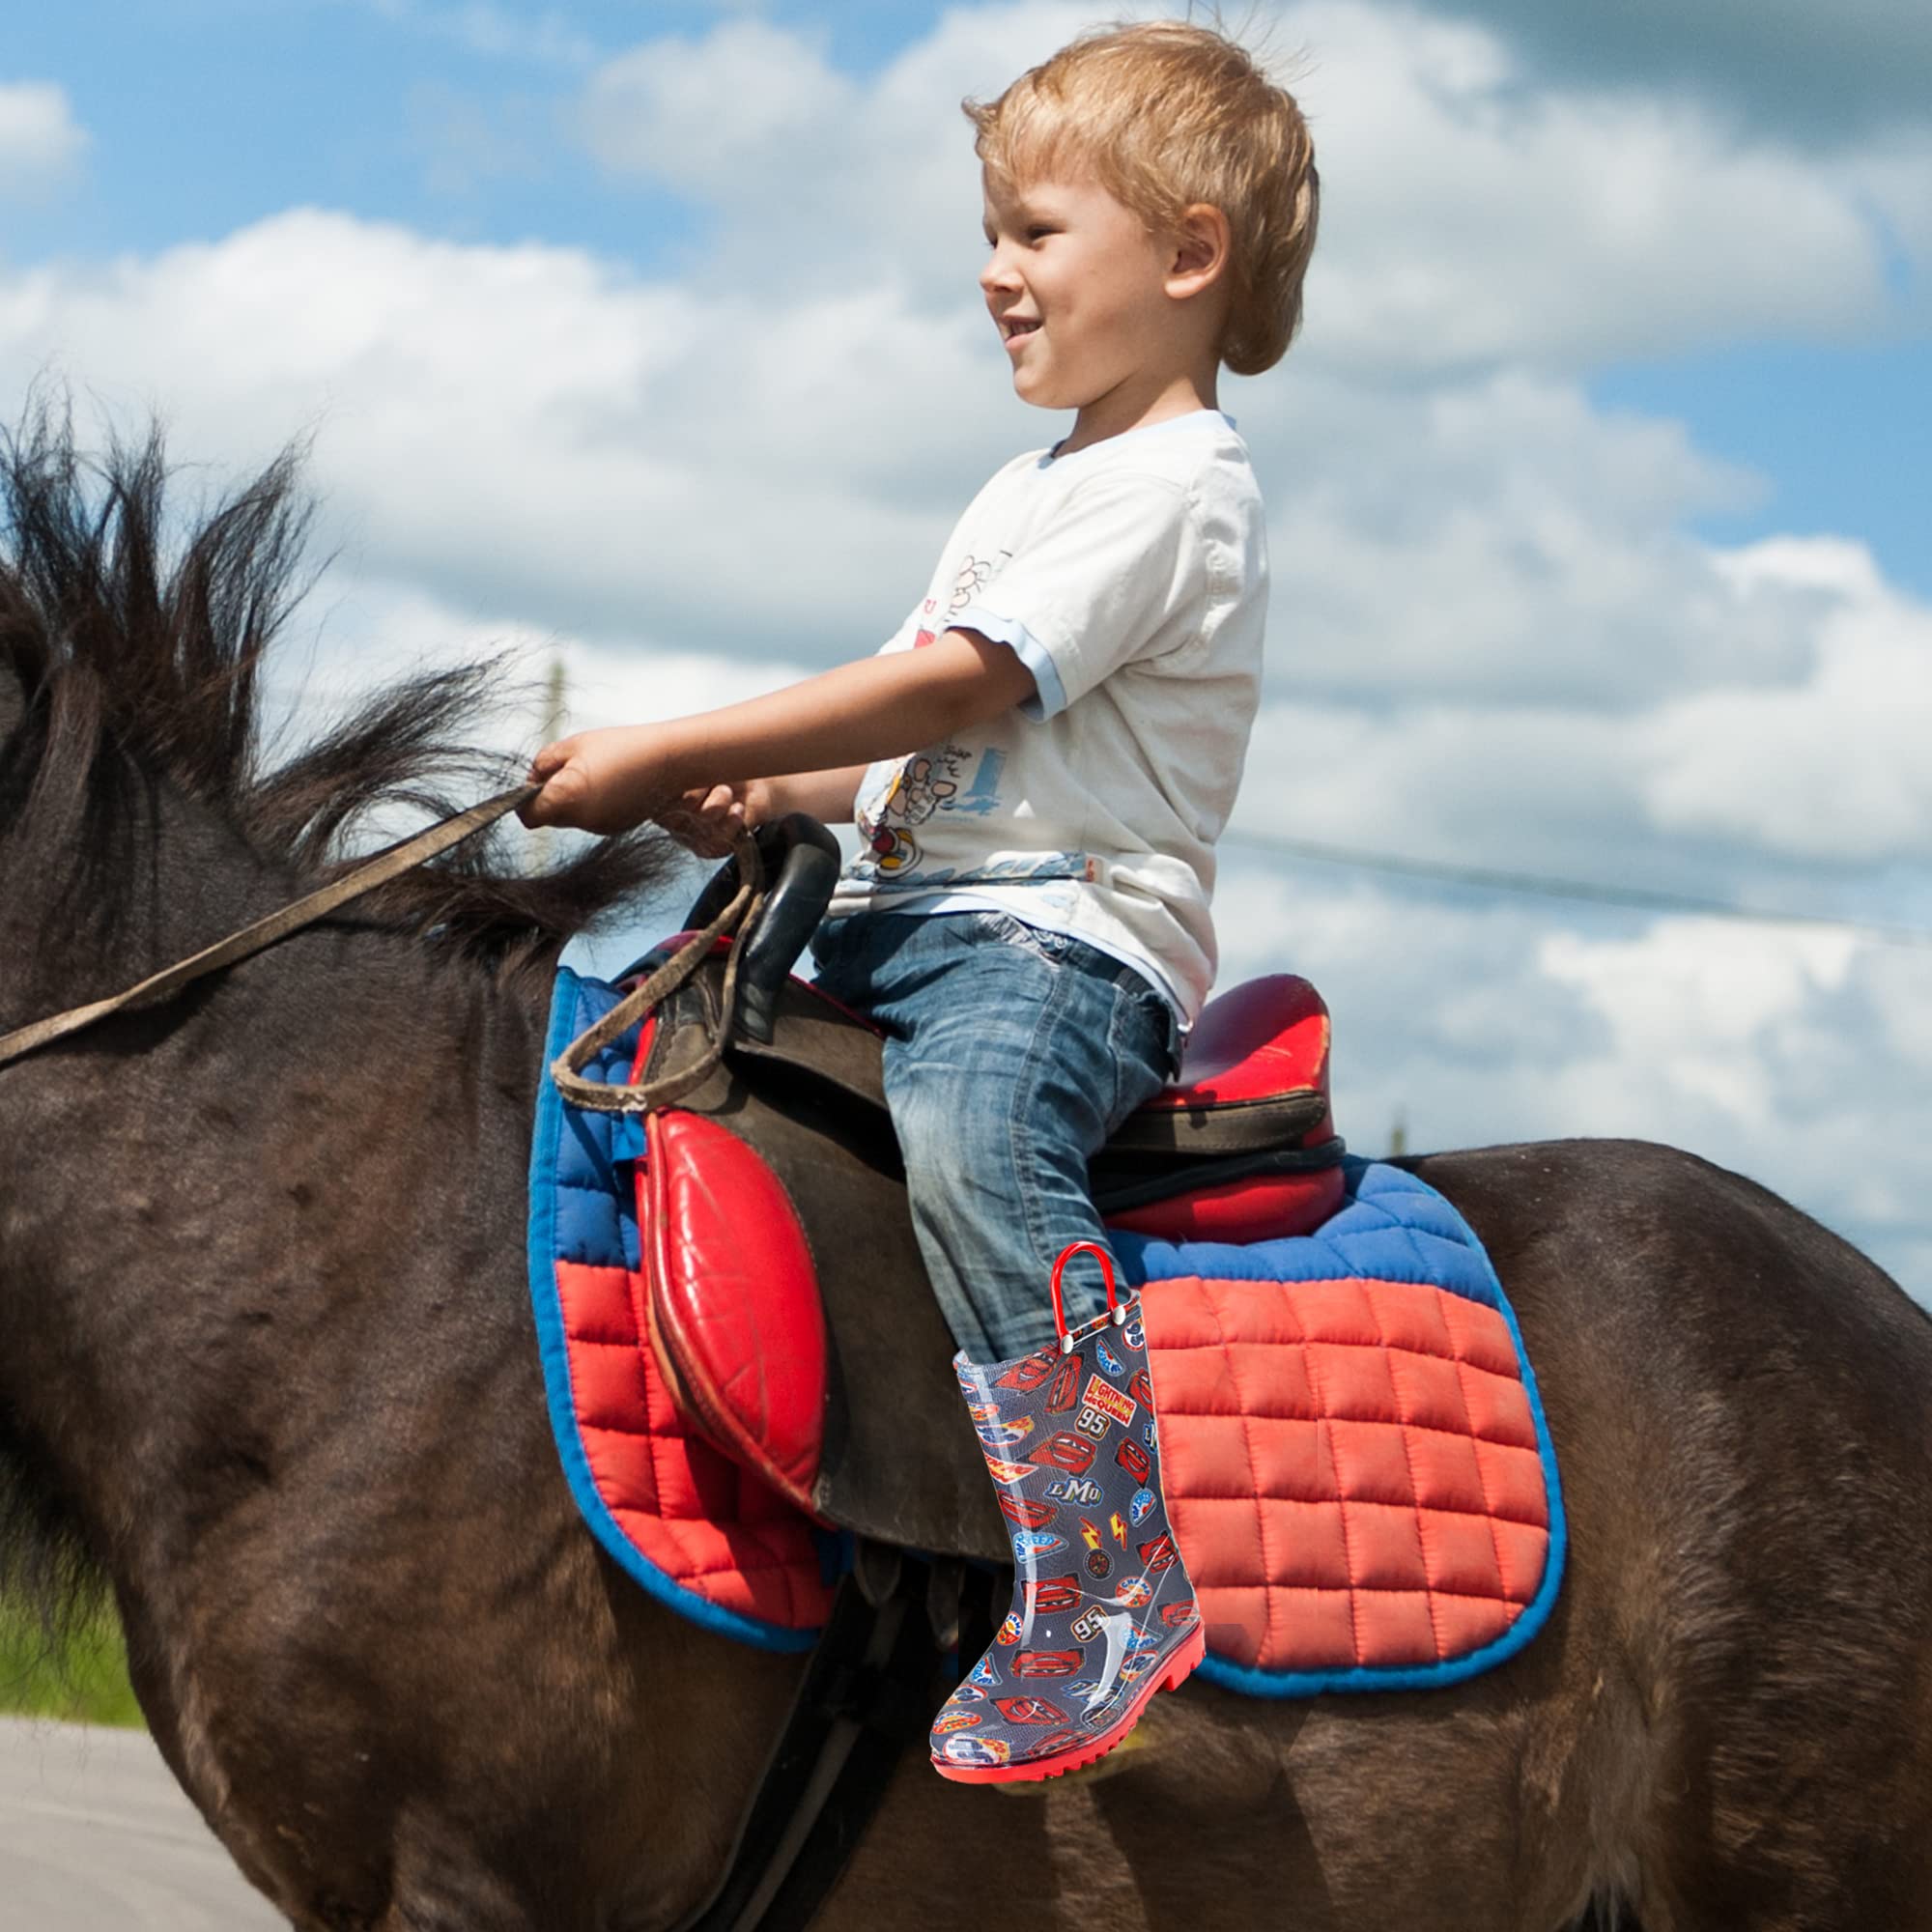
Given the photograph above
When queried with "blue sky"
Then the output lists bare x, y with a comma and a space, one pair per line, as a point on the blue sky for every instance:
206, 114
1843, 436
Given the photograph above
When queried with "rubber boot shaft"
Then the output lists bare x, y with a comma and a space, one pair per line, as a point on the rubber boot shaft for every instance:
1104, 1614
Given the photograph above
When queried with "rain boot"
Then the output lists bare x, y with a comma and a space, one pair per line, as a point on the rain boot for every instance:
1103, 1614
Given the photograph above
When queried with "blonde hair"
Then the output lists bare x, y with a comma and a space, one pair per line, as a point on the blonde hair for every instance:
1166, 114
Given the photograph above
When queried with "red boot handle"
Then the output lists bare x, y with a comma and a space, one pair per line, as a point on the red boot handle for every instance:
1114, 1307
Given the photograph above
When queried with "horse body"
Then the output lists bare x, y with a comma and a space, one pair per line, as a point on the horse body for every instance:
381, 1652
268, 1363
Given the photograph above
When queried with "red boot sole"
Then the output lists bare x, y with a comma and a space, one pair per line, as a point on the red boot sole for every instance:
1060, 1763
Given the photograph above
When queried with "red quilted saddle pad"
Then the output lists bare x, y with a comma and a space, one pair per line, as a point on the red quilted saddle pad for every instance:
718, 1535
1352, 1470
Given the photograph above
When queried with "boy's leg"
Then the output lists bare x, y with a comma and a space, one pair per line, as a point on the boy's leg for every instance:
1011, 1054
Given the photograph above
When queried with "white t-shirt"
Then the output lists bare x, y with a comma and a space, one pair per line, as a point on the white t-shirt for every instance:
1131, 578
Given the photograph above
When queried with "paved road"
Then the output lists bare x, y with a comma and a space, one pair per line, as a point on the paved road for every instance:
95, 1837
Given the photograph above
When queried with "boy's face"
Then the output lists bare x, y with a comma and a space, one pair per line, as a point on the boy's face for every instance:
1077, 287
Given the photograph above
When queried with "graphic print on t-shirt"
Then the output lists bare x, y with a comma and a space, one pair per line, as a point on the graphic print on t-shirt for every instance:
911, 794
972, 578
982, 795
925, 782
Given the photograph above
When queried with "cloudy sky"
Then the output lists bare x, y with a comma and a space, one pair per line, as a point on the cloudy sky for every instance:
648, 335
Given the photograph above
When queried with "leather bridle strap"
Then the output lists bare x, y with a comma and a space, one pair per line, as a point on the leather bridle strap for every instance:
617, 1096
265, 932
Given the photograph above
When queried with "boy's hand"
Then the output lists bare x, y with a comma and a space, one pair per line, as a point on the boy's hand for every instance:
704, 827
597, 781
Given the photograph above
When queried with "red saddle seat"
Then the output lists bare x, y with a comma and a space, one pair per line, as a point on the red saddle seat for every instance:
1263, 1039
1260, 1041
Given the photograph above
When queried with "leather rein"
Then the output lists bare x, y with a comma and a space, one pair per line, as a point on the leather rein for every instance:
405, 857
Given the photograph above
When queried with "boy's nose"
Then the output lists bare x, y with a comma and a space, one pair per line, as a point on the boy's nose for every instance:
998, 273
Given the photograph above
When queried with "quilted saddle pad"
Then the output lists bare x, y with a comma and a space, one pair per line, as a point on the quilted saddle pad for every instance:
1357, 1466
1356, 1462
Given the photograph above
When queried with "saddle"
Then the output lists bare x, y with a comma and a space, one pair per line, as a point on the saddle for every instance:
1354, 1458
787, 1309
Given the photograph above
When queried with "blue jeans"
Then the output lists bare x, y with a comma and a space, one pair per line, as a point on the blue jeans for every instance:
1011, 1054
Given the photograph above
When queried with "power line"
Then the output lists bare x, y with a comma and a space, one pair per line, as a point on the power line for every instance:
1588, 891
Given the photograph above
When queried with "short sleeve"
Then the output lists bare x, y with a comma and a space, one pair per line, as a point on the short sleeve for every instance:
1116, 572
903, 638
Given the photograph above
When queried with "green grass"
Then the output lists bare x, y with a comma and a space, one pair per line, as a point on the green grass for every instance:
83, 1681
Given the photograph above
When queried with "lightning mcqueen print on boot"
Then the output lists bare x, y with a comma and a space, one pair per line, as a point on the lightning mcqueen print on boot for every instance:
1116, 1623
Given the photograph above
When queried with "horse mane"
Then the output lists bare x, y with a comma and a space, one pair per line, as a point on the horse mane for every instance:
131, 654
131, 664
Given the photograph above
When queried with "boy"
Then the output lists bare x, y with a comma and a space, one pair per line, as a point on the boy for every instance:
1041, 759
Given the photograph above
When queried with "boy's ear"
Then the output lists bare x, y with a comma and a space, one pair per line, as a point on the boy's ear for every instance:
1200, 246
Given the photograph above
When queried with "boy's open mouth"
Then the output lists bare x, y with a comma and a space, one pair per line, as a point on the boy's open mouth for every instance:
1012, 326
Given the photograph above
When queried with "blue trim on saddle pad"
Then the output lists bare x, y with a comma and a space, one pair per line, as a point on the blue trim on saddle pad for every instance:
1393, 1227
578, 1212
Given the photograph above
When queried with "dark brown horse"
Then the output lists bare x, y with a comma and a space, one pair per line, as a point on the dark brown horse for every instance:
268, 1367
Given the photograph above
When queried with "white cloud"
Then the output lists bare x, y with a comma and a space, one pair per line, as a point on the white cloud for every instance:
1773, 722
1830, 765
1788, 63
819, 182
39, 139
1498, 540
544, 39
532, 431
1800, 1058
1688, 1006
1525, 787
361, 630
1468, 218
742, 102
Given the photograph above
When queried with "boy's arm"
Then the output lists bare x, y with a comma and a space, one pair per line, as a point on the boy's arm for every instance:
827, 796
877, 707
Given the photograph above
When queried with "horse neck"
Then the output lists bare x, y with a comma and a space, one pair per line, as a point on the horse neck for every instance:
13, 702
262, 1251
92, 900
